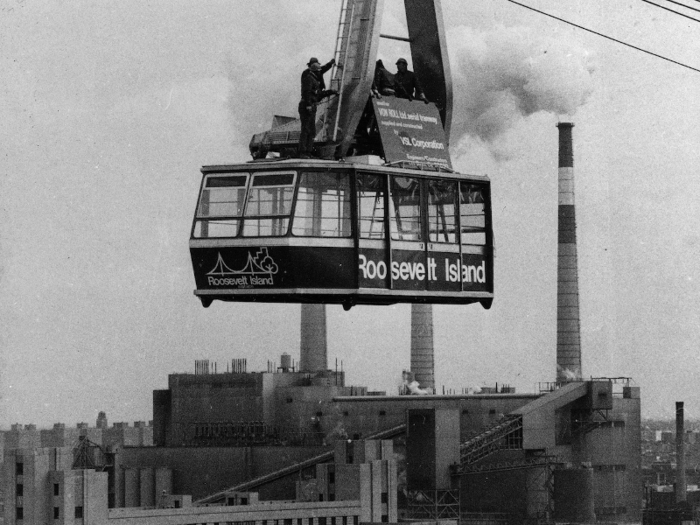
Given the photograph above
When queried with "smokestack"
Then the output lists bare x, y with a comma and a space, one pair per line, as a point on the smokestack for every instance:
313, 350
568, 321
422, 355
681, 485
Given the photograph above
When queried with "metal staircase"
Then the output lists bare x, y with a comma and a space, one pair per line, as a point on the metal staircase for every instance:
506, 435
295, 468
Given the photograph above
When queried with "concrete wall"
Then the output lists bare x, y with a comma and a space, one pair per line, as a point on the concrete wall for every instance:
363, 415
201, 471
270, 511
37, 491
614, 450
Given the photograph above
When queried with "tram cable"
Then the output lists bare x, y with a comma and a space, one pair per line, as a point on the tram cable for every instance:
672, 10
606, 36
684, 5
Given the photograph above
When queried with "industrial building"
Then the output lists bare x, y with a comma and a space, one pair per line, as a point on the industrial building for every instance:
44, 486
570, 452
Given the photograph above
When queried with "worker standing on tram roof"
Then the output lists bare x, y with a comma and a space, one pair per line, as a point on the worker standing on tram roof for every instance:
312, 91
406, 82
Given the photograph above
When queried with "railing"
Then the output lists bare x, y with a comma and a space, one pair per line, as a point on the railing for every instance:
297, 467
507, 435
433, 504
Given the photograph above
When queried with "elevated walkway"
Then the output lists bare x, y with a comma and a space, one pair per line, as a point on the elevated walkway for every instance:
508, 434
530, 427
295, 468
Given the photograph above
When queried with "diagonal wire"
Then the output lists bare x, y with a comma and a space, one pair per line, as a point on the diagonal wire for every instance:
683, 5
606, 36
672, 11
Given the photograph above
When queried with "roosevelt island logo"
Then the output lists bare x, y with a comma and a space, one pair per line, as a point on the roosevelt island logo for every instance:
258, 271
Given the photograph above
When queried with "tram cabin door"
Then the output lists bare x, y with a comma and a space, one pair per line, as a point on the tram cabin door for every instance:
420, 255
425, 249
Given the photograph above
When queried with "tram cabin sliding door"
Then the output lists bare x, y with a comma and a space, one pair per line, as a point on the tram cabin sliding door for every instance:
410, 268
373, 255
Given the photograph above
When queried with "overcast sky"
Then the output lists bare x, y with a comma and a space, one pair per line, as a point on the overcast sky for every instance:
108, 110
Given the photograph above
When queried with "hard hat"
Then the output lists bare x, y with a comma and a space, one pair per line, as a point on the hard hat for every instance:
401, 61
313, 60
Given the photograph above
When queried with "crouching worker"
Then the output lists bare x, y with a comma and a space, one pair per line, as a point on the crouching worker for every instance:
313, 90
406, 82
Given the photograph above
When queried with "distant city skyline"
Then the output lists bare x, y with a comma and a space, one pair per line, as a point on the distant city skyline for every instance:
110, 111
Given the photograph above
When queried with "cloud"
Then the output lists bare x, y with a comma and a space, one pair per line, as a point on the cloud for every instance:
505, 74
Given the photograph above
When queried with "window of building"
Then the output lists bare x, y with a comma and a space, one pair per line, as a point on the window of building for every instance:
289, 400
78, 513
385, 518
19, 489
56, 513
382, 412
288, 521
331, 497
333, 520
355, 520
322, 521
244, 501
177, 503
323, 205
385, 497
319, 414
19, 513
465, 412
56, 489
492, 411
320, 497
19, 468
370, 205
346, 413
331, 477
269, 205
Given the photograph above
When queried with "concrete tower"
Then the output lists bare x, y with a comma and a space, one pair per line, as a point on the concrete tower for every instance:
313, 349
681, 482
422, 355
568, 321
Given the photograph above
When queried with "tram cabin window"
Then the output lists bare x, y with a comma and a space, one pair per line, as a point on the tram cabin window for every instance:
220, 206
269, 205
406, 208
472, 214
323, 206
370, 204
442, 211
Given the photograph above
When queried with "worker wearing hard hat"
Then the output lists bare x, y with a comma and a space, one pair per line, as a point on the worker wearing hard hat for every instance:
312, 91
406, 83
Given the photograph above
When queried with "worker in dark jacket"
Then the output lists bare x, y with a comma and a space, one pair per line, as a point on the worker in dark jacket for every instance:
406, 82
312, 92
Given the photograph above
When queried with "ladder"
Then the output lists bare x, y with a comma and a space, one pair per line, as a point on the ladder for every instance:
346, 48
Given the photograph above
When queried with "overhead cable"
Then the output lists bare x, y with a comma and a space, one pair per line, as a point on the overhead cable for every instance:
683, 5
606, 36
672, 10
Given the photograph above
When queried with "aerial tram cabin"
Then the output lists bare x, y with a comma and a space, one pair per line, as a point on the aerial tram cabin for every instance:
381, 218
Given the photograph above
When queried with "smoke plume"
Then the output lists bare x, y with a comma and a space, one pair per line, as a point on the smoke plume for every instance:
506, 74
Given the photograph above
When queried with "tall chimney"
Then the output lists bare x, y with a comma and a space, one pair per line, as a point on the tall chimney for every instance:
568, 321
681, 485
422, 356
313, 349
